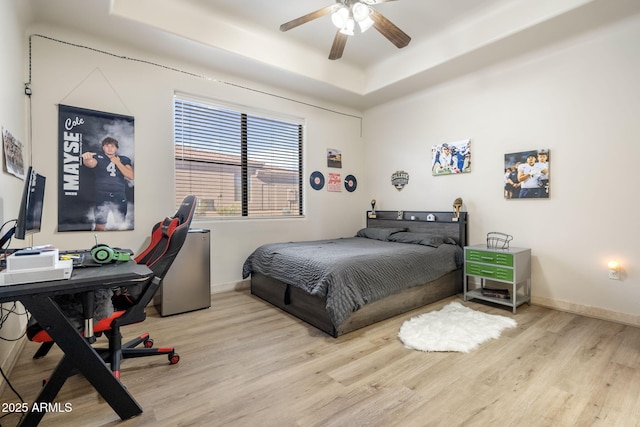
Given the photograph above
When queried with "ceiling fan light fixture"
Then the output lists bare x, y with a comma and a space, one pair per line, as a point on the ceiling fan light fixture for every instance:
362, 15
360, 11
340, 17
365, 24
348, 27
344, 15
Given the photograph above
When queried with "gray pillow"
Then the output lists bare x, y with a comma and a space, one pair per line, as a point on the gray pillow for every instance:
426, 239
378, 233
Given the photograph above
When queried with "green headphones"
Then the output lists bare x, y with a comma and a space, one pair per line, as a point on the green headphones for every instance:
103, 254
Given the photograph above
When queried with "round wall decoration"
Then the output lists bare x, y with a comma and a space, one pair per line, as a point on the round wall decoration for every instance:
350, 183
316, 180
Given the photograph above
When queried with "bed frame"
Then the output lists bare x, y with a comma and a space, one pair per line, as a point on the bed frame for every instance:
311, 308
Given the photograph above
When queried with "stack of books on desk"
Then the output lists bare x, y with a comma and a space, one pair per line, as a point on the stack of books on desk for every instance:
496, 293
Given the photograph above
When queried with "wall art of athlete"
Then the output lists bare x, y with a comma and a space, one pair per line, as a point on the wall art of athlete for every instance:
111, 173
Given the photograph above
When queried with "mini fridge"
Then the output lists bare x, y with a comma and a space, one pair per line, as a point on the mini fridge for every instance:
187, 284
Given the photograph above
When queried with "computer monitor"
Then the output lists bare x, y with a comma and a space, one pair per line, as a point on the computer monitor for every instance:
30, 215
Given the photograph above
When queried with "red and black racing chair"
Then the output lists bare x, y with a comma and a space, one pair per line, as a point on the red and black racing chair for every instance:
167, 238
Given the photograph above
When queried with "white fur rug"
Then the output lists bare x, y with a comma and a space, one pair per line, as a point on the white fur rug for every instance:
453, 328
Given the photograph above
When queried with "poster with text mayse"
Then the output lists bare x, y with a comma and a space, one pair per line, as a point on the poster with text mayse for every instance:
96, 170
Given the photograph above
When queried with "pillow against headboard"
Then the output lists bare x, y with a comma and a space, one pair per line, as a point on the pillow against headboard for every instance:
427, 239
378, 233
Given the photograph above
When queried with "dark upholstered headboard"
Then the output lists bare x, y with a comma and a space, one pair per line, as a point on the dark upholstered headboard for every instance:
417, 221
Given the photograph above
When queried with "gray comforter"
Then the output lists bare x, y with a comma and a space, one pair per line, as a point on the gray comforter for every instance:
352, 272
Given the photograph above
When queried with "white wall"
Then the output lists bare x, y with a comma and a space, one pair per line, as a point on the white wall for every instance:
12, 118
580, 100
12, 107
71, 75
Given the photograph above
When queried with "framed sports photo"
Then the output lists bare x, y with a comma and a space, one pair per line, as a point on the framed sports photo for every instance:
451, 158
526, 174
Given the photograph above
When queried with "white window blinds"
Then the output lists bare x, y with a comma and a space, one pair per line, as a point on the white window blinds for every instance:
238, 164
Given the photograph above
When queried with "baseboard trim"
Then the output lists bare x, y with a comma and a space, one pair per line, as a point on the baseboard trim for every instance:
569, 307
231, 286
583, 310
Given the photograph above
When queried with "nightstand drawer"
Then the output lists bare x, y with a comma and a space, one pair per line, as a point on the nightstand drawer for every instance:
489, 271
495, 258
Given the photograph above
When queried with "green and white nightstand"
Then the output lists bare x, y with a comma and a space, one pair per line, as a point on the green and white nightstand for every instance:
511, 266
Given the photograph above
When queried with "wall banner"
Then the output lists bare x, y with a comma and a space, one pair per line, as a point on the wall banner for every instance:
95, 170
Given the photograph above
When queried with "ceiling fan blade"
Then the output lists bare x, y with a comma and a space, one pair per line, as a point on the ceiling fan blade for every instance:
388, 29
306, 18
339, 43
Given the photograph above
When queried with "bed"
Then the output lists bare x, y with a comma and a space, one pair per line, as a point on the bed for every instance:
398, 262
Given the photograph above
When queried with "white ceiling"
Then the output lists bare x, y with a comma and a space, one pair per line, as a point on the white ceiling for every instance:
420, 19
241, 37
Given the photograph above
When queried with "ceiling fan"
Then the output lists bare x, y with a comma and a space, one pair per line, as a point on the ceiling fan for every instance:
345, 14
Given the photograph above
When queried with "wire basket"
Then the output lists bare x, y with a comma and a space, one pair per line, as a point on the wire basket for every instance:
497, 240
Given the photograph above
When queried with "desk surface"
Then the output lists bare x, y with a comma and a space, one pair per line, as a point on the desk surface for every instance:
82, 279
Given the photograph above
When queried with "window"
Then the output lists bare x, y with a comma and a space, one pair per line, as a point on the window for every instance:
238, 164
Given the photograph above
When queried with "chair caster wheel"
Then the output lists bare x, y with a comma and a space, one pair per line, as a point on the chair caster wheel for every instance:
148, 343
174, 358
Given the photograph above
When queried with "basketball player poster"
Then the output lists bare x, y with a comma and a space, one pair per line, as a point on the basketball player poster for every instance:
95, 170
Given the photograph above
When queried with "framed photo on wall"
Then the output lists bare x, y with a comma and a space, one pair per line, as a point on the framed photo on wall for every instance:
451, 158
334, 158
526, 174
13, 154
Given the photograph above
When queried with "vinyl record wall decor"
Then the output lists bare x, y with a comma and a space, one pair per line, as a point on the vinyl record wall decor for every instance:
335, 182
316, 180
350, 183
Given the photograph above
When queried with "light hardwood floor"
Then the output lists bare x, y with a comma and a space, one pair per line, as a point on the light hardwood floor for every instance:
246, 363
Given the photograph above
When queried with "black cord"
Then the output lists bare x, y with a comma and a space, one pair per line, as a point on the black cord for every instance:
15, 392
7, 222
188, 73
3, 319
4, 315
7, 236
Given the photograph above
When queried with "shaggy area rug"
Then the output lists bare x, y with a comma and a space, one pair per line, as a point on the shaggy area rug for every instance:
453, 328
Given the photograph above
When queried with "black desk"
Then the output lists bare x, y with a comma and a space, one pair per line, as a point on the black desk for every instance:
78, 352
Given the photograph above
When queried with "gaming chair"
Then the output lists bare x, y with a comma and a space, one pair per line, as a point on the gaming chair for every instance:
167, 238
